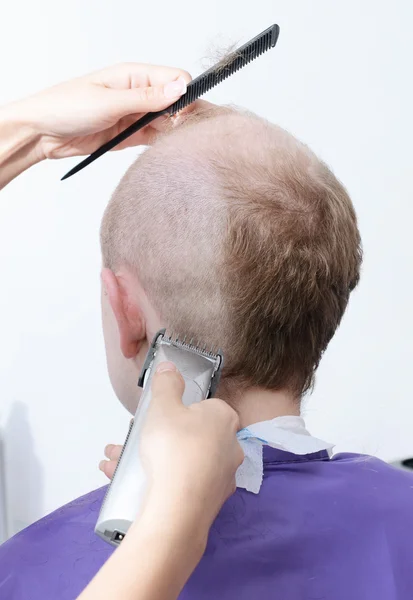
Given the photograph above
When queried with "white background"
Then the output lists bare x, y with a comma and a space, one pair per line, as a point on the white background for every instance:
339, 79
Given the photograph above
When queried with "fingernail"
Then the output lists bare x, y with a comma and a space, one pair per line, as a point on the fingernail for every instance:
108, 450
102, 465
174, 89
166, 366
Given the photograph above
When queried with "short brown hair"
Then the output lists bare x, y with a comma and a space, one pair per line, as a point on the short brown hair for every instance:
242, 237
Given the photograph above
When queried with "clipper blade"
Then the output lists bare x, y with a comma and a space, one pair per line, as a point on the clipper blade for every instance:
170, 339
199, 347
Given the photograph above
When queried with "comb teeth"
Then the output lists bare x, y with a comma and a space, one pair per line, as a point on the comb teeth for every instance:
238, 59
172, 338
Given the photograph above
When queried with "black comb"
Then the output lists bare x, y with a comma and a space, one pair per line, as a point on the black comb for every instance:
199, 86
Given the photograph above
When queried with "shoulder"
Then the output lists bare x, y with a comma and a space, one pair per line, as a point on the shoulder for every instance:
370, 467
61, 544
80, 513
349, 482
375, 480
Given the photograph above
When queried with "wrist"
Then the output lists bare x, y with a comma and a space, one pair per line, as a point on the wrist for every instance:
176, 524
19, 133
19, 142
156, 558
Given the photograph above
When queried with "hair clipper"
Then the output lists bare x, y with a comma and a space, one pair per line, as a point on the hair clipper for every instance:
201, 371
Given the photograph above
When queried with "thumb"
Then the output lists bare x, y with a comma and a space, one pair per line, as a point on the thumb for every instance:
167, 387
148, 99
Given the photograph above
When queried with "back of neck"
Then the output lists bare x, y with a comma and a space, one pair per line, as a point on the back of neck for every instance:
257, 404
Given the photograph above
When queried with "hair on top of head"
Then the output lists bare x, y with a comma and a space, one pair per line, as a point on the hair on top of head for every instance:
202, 112
243, 238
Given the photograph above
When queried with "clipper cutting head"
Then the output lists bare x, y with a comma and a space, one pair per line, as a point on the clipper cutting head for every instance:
198, 347
171, 339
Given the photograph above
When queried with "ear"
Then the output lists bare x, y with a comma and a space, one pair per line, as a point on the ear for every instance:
129, 317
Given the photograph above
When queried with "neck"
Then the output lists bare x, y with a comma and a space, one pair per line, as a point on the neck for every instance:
257, 404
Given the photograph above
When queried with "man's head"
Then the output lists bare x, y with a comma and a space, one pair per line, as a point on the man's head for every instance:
229, 230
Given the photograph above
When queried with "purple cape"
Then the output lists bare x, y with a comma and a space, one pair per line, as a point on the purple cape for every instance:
320, 529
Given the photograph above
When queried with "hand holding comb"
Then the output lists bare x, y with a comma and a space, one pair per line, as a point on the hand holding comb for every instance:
199, 86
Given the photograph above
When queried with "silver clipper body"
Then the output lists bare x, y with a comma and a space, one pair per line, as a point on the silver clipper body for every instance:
201, 371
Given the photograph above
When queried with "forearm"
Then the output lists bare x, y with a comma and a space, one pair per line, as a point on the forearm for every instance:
18, 143
153, 562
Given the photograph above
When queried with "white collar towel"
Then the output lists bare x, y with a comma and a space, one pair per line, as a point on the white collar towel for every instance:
285, 433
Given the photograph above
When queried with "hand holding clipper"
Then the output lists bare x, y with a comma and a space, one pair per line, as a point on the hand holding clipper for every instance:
200, 373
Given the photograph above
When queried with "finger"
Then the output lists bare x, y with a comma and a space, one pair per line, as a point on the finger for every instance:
167, 387
239, 454
226, 413
108, 468
147, 99
145, 136
133, 75
113, 451
162, 124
